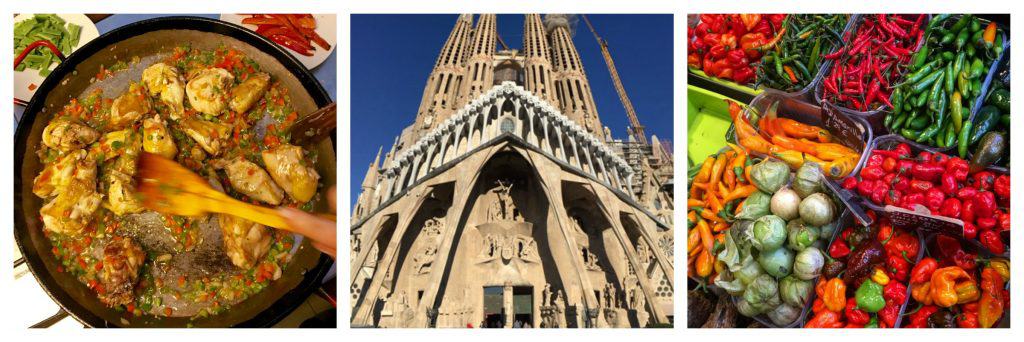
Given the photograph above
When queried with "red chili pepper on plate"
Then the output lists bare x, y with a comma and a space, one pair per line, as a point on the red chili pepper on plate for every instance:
950, 208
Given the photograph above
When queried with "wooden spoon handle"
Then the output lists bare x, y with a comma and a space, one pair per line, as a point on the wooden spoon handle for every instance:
262, 215
315, 126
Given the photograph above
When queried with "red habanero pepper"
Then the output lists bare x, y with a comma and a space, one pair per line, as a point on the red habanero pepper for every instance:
920, 186
986, 223
901, 183
966, 194
933, 199
924, 156
949, 184
912, 199
990, 239
854, 315
1004, 221
983, 180
898, 266
968, 210
850, 183
919, 319
825, 319
958, 167
866, 187
893, 197
927, 172
838, 249
888, 178
904, 166
1002, 186
895, 292
940, 158
970, 230
986, 201
967, 320
950, 208
903, 150
922, 272
880, 192
875, 160
889, 164
872, 172
889, 313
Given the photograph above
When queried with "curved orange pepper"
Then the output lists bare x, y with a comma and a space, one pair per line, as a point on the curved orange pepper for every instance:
943, 284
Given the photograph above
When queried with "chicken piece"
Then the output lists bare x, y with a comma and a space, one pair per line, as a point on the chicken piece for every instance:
121, 198
122, 259
209, 135
208, 90
65, 134
250, 91
128, 108
245, 242
72, 209
249, 179
114, 144
156, 139
56, 176
286, 165
164, 81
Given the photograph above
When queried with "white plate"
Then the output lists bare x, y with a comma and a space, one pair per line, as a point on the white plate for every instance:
326, 27
29, 78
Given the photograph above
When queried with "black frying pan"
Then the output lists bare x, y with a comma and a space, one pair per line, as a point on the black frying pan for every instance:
72, 78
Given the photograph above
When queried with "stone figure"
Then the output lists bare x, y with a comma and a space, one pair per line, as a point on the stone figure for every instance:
503, 208
424, 259
546, 295
590, 260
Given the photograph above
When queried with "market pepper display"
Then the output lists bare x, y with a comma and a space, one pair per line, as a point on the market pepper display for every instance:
796, 223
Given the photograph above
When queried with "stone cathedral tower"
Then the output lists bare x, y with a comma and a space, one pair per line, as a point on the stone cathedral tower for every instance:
507, 203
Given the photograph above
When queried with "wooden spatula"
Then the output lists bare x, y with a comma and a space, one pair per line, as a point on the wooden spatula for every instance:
167, 187
315, 126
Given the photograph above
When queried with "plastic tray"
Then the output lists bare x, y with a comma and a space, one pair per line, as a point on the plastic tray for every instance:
873, 117
707, 120
926, 247
888, 142
1000, 65
903, 307
794, 108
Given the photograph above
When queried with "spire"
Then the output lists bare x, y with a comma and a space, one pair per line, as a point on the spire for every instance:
365, 201
441, 91
538, 59
480, 60
571, 86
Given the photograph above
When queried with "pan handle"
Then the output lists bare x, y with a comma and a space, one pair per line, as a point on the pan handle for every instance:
50, 321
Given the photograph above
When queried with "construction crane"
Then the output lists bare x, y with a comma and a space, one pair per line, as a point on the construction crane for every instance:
636, 129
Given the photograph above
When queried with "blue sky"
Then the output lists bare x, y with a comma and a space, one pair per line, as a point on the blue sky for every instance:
392, 56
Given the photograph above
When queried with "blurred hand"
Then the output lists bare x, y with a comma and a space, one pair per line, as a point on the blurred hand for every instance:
322, 232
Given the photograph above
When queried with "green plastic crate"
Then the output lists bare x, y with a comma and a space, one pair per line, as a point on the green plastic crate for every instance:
707, 120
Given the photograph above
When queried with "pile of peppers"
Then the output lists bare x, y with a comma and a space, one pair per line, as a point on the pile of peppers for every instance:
933, 104
865, 286
872, 61
727, 45
943, 184
792, 141
795, 61
717, 191
952, 288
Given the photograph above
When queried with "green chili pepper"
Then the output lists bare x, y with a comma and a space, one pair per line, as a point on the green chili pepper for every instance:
936, 89
918, 123
869, 296
896, 124
921, 73
947, 55
961, 39
948, 38
910, 134
975, 25
927, 81
950, 136
950, 78
963, 85
897, 101
964, 139
956, 111
872, 323
977, 68
920, 57
921, 99
929, 132
960, 24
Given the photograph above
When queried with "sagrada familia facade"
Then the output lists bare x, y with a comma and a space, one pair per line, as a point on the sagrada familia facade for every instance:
508, 204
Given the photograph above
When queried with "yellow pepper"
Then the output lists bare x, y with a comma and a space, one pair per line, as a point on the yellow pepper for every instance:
943, 285
880, 277
1001, 266
967, 292
704, 263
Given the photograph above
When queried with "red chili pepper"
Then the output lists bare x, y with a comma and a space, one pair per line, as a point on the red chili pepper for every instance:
850, 183
927, 172
896, 292
922, 272
911, 199
933, 199
990, 239
1002, 186
958, 167
838, 249
873, 172
966, 194
855, 315
889, 164
983, 180
898, 267
919, 319
986, 204
1004, 221
950, 208
903, 150
866, 187
874, 161
893, 197
920, 186
970, 230
949, 184
889, 313
967, 210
